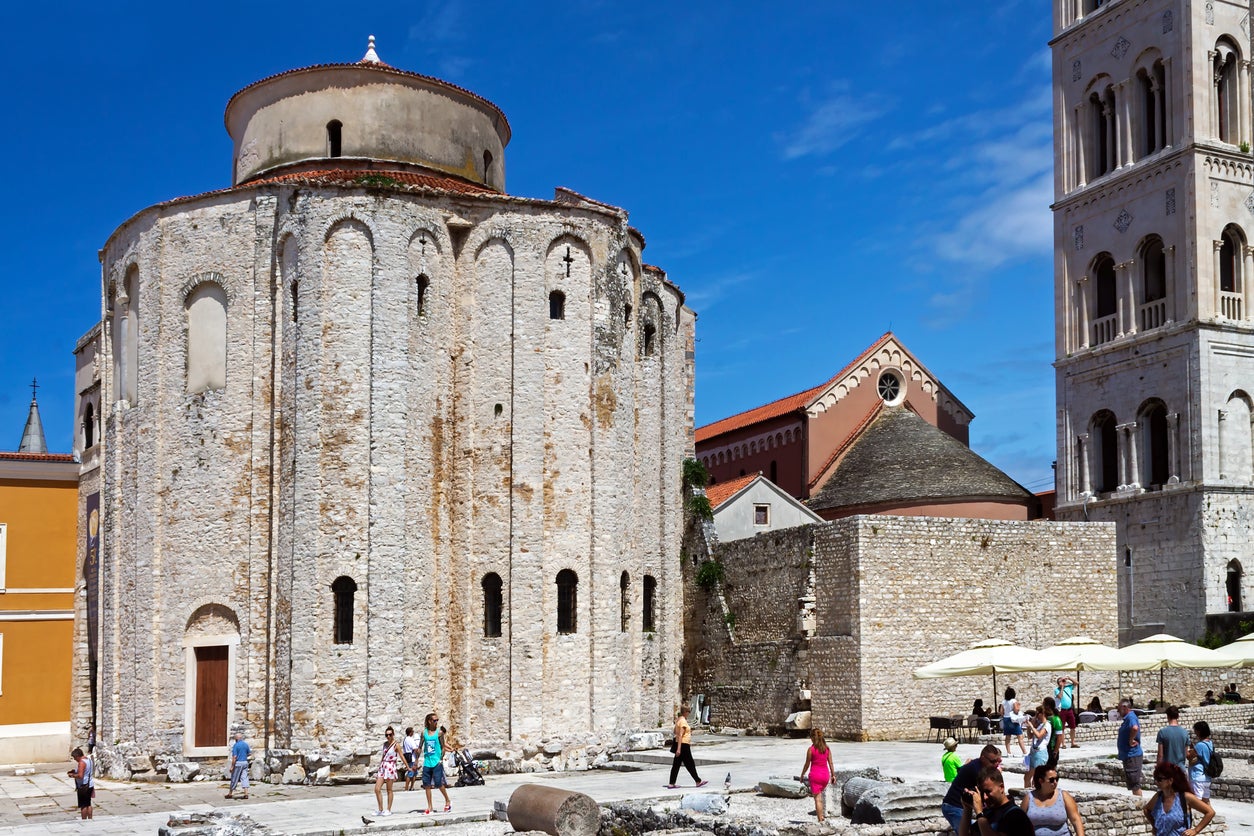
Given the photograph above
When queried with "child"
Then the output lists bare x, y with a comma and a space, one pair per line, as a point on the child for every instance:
950, 762
819, 767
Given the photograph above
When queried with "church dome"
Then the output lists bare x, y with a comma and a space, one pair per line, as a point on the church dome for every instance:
355, 116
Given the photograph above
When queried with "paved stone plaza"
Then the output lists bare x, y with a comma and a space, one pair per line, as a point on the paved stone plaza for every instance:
42, 803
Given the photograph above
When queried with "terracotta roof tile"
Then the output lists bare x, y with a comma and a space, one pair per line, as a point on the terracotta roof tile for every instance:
36, 457
388, 179
783, 406
722, 491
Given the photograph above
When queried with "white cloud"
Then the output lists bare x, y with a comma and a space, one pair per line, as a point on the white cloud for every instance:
831, 122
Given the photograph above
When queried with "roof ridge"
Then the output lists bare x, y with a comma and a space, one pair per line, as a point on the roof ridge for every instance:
730, 488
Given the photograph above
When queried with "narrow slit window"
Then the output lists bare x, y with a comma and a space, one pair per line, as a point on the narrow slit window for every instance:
624, 613
567, 601
557, 305
334, 135
343, 590
493, 604
422, 284
647, 606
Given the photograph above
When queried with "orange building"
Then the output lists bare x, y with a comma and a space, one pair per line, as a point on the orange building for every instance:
38, 515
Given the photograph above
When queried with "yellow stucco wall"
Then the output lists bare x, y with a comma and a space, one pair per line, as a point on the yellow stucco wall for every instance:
37, 627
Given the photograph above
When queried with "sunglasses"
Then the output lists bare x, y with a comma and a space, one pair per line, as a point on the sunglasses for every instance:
1053, 780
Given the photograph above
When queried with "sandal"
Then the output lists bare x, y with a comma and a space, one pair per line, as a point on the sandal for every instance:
448, 808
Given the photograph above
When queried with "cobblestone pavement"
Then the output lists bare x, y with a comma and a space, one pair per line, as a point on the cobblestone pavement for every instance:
43, 802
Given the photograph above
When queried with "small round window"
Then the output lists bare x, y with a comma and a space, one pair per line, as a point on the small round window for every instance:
889, 388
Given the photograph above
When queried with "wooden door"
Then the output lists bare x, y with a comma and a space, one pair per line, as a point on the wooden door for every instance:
212, 669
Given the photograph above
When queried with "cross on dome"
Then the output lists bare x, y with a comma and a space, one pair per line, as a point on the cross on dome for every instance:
371, 57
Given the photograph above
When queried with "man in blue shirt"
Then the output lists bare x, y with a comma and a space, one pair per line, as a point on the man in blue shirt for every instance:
968, 778
239, 765
1129, 745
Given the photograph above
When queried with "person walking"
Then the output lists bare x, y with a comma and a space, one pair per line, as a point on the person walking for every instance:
433, 746
389, 758
84, 775
1012, 721
1050, 809
1168, 810
1128, 745
240, 751
683, 751
1200, 754
409, 748
819, 768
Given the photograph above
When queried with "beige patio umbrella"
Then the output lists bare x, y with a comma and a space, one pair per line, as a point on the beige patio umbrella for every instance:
1163, 651
1242, 648
991, 656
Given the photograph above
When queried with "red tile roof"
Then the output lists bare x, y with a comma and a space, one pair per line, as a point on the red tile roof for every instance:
783, 406
368, 178
36, 457
723, 491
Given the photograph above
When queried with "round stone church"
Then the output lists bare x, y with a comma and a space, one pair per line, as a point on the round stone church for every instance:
364, 437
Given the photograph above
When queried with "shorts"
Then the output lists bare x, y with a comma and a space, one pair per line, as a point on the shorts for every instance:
1010, 728
410, 760
433, 776
1038, 758
1067, 715
1134, 771
84, 796
1200, 786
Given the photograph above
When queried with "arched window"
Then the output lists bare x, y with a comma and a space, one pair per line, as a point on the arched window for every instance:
1227, 109
493, 604
1153, 284
557, 305
624, 610
1105, 458
1234, 585
334, 131
1105, 127
1236, 439
343, 590
487, 164
1153, 422
650, 596
89, 426
1106, 301
1230, 248
1150, 82
421, 285
206, 338
567, 601
774, 471
126, 337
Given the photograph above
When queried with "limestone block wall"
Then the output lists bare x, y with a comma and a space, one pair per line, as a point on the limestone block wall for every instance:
929, 587
401, 416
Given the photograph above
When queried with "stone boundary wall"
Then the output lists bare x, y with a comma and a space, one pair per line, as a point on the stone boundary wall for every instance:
1223, 720
1110, 771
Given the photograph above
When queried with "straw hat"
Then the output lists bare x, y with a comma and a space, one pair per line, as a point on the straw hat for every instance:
951, 744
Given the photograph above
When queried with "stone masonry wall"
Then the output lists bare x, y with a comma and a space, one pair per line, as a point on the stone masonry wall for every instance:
407, 449
929, 587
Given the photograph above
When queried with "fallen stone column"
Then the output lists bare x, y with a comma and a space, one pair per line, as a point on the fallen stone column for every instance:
553, 810
881, 802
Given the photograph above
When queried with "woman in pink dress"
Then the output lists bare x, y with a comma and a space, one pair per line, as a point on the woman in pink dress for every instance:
818, 769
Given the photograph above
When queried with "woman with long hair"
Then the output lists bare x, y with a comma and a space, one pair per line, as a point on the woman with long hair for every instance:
1039, 730
1011, 721
818, 768
1170, 809
1050, 809
1200, 754
389, 756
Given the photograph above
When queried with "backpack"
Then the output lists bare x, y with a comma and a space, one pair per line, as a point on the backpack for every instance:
1214, 766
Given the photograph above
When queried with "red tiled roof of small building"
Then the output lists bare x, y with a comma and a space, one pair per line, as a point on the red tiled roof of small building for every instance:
36, 457
723, 491
783, 406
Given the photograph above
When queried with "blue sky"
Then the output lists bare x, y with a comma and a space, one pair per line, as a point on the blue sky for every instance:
810, 175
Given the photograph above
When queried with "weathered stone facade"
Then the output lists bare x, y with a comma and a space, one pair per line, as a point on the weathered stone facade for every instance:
1152, 292
892, 594
429, 388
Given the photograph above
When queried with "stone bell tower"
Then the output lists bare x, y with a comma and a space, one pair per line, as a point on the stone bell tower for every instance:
1153, 218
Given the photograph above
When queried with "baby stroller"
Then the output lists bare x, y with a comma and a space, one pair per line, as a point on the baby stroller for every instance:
468, 774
